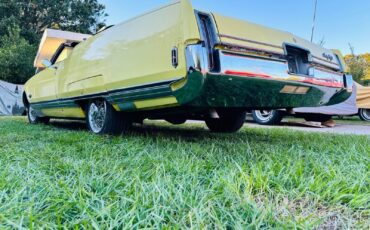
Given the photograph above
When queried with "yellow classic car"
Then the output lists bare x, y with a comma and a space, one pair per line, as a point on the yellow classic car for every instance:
177, 63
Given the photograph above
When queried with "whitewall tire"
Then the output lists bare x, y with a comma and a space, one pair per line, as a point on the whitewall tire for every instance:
267, 117
33, 117
102, 119
364, 114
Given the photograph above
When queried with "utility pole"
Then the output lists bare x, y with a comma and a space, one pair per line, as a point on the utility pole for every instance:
314, 21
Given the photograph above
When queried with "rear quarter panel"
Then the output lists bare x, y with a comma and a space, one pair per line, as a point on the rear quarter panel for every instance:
133, 53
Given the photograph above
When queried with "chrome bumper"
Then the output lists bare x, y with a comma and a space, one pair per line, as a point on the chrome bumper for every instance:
245, 81
249, 66
348, 83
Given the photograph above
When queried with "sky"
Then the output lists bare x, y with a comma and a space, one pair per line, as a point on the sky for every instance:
338, 22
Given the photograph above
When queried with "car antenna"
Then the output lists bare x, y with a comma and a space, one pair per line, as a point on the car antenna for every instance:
314, 21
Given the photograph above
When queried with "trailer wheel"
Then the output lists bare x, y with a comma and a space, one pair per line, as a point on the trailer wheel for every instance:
364, 114
267, 117
228, 121
102, 119
34, 119
315, 117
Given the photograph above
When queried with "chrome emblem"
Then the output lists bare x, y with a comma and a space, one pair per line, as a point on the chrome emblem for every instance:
328, 57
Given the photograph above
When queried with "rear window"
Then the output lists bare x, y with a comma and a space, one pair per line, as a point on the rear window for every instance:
64, 54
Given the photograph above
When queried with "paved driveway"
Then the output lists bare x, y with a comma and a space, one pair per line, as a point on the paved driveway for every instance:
338, 129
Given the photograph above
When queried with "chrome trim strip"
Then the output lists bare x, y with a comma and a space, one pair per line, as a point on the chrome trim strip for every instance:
138, 91
252, 48
327, 70
133, 89
250, 41
251, 55
147, 85
321, 59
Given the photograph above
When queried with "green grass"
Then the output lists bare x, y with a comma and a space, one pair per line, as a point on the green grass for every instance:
163, 176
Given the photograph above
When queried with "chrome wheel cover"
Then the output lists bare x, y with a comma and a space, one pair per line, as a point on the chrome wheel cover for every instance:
32, 114
97, 114
264, 115
365, 114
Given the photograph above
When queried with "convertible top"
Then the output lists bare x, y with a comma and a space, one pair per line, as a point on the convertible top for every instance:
51, 40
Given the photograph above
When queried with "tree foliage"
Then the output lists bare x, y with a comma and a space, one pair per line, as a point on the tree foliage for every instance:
359, 67
16, 57
22, 23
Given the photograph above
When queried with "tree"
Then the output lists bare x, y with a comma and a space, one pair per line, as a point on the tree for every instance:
366, 56
83, 16
16, 57
359, 66
25, 20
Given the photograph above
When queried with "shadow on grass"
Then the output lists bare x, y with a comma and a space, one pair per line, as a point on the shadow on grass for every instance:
189, 132
69, 125
150, 127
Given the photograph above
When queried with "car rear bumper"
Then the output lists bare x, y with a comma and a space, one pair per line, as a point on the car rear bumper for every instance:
273, 68
245, 81
258, 93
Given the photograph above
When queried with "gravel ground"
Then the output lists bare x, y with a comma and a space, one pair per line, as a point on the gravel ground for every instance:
338, 129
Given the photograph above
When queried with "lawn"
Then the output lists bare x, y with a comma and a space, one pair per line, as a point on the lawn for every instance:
163, 176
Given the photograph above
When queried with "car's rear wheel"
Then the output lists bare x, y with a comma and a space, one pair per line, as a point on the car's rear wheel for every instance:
228, 121
267, 117
364, 114
33, 118
103, 119
317, 117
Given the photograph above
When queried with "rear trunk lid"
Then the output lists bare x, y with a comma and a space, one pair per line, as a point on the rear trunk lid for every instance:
234, 32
